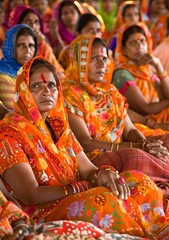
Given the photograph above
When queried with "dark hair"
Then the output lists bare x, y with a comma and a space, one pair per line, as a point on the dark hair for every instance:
84, 20
64, 4
23, 15
130, 6
28, 31
100, 42
131, 30
38, 63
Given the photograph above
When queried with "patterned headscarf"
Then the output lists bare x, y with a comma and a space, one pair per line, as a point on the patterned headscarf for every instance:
56, 161
80, 53
8, 64
105, 117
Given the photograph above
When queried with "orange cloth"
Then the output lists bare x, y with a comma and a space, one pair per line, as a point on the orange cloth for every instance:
119, 18
143, 74
24, 137
159, 29
97, 115
46, 51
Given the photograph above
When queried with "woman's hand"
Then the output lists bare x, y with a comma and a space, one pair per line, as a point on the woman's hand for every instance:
20, 231
148, 59
157, 149
40, 36
111, 179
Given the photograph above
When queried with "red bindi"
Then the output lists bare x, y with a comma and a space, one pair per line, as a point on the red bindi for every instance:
101, 50
43, 78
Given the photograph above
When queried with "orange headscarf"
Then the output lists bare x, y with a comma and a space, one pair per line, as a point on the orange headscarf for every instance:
56, 161
81, 47
105, 117
122, 61
119, 18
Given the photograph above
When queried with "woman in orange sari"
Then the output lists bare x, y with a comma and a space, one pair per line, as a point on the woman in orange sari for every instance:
139, 75
100, 112
48, 172
158, 14
128, 12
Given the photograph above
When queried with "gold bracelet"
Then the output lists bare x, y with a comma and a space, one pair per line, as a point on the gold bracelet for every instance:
130, 145
117, 146
163, 75
112, 147
65, 190
143, 146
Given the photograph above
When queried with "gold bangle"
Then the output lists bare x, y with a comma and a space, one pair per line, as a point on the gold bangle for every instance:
65, 190
117, 146
163, 75
143, 146
112, 147
130, 145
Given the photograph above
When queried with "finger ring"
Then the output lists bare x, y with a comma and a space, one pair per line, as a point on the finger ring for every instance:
121, 180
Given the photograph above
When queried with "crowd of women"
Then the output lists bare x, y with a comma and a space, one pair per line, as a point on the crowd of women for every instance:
84, 109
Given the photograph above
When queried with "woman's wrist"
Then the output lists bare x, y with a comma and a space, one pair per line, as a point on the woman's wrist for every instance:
163, 75
151, 122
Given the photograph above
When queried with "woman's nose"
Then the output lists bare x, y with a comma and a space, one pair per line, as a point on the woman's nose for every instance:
46, 90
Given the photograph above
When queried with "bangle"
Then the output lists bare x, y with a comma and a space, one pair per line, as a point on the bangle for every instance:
112, 147
117, 146
65, 190
20, 225
151, 122
74, 190
163, 75
143, 146
130, 145
106, 168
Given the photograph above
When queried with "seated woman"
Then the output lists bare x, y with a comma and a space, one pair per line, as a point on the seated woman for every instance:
158, 24
50, 175
27, 15
139, 75
98, 115
65, 16
19, 46
87, 24
128, 12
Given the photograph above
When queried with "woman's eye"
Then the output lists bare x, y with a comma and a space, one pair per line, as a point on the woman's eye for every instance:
94, 58
35, 85
52, 85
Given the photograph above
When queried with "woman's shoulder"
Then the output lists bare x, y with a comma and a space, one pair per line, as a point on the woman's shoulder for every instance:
121, 77
122, 73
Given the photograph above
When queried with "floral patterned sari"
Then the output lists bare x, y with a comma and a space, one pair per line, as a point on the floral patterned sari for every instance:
24, 137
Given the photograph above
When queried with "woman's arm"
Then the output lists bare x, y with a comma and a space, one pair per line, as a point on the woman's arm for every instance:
140, 105
83, 136
89, 144
21, 179
163, 88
